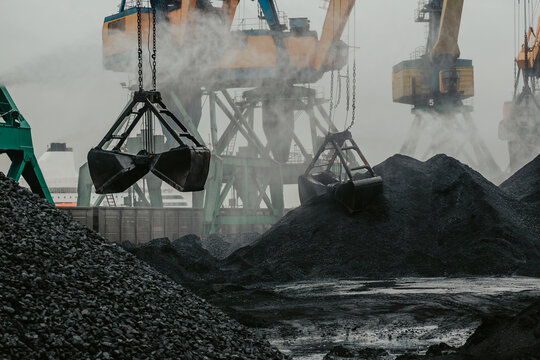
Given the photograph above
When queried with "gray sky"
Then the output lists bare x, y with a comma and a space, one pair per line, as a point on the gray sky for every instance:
52, 59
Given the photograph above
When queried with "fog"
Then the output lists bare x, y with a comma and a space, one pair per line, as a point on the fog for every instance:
51, 62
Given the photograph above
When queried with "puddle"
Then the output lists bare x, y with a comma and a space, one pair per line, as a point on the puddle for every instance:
398, 315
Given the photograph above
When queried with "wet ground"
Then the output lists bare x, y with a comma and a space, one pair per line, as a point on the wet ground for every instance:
307, 319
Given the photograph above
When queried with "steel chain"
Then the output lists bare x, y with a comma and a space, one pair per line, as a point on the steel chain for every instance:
348, 88
154, 49
331, 96
353, 117
139, 49
338, 101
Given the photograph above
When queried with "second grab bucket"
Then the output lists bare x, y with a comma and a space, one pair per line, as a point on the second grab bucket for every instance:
340, 168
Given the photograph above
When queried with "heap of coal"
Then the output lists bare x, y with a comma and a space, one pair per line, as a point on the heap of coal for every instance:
223, 245
434, 218
512, 338
525, 183
67, 293
184, 260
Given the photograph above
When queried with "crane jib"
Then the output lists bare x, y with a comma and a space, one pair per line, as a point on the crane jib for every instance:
271, 15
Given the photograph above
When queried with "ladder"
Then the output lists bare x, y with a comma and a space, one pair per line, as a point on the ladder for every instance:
110, 200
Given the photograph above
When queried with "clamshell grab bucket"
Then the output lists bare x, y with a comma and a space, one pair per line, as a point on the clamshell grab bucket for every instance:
354, 191
184, 167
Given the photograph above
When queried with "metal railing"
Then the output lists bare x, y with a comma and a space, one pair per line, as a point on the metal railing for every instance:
132, 3
258, 23
418, 53
420, 13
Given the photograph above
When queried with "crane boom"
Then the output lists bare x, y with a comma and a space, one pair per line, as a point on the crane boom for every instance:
447, 40
271, 15
334, 24
229, 9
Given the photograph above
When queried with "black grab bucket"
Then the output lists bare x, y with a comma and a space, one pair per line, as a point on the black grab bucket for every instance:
184, 167
353, 185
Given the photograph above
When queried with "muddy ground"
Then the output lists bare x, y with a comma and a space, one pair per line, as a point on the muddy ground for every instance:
307, 319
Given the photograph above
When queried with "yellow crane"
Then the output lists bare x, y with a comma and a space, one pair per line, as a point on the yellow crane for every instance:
436, 82
520, 126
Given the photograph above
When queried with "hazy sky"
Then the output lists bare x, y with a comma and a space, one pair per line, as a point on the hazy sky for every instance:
51, 56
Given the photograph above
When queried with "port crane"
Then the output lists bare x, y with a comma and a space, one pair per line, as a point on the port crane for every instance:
436, 82
275, 64
246, 58
520, 127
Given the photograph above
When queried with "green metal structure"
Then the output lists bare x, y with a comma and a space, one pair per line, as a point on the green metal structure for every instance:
253, 176
16, 142
244, 191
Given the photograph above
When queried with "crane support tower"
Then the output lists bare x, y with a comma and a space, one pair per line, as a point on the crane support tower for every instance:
436, 82
205, 60
16, 142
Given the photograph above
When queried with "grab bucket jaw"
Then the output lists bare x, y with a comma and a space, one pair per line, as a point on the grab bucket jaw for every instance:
357, 194
113, 171
352, 192
184, 167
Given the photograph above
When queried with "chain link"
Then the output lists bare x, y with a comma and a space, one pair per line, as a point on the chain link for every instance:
348, 88
331, 96
154, 49
139, 46
353, 96
338, 101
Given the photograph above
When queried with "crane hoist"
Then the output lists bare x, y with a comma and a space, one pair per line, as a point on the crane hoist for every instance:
520, 126
436, 82
183, 164
272, 58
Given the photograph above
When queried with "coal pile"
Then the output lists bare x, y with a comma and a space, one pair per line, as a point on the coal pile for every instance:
184, 260
525, 183
514, 338
223, 245
434, 218
65, 293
